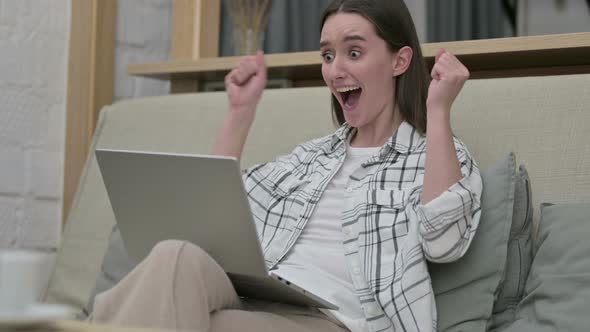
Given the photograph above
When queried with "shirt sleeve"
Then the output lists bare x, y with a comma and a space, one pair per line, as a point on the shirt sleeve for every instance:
448, 223
260, 183
264, 180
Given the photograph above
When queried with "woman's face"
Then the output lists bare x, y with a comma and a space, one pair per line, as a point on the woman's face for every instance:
358, 68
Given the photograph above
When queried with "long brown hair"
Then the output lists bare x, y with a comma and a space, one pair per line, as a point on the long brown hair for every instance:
393, 23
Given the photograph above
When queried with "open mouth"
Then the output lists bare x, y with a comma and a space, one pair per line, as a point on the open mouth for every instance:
350, 96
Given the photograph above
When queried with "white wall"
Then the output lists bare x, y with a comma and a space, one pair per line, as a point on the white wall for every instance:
541, 17
143, 35
34, 42
418, 10
33, 65
34, 38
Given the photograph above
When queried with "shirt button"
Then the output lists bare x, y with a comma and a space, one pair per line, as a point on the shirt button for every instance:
349, 189
347, 231
356, 270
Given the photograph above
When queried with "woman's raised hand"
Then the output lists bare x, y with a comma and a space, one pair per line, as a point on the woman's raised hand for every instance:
448, 77
244, 86
442, 167
245, 83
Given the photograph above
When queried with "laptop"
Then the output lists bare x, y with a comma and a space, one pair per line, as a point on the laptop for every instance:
197, 198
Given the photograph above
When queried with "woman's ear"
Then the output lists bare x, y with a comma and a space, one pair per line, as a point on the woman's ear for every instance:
402, 60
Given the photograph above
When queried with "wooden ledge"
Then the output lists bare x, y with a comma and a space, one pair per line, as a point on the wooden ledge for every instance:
518, 56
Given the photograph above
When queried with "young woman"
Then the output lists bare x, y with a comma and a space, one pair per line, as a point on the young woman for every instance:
353, 216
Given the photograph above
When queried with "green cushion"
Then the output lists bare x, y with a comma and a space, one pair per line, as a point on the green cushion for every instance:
465, 289
557, 292
520, 254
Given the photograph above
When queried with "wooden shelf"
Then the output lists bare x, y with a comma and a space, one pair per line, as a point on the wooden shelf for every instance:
519, 56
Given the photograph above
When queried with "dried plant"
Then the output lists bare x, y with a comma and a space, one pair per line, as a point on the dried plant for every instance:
249, 21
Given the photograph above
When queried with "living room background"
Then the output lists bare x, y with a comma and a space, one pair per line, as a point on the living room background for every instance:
34, 37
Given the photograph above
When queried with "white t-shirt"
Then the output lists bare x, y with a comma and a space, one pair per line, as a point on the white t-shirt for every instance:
316, 262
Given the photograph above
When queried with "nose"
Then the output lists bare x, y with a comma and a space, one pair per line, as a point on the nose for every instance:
335, 70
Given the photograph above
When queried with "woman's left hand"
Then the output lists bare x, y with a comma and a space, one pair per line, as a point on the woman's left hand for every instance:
448, 77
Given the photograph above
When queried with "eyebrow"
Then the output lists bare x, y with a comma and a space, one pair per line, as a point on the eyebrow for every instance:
325, 43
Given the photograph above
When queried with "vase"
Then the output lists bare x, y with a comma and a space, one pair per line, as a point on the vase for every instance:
247, 41
249, 20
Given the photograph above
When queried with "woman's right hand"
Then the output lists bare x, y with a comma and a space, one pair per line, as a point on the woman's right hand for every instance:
245, 83
244, 86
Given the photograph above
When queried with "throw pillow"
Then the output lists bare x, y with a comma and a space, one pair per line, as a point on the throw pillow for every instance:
557, 296
465, 290
520, 254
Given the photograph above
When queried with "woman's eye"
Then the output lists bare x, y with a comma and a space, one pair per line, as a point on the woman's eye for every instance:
355, 54
328, 57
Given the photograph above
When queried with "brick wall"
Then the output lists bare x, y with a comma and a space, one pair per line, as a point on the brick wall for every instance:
34, 37
34, 47
33, 65
143, 35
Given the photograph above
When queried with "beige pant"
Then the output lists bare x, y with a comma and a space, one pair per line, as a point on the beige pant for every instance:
179, 286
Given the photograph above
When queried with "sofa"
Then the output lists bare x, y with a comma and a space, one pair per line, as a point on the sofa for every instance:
528, 268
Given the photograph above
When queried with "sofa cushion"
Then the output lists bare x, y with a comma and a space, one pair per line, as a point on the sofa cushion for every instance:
465, 290
520, 254
557, 296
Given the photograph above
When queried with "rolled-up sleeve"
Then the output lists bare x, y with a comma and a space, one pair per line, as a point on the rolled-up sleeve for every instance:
447, 224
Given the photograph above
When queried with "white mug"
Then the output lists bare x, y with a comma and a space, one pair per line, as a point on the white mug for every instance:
20, 276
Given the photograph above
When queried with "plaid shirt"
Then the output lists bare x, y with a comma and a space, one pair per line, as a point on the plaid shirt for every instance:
388, 233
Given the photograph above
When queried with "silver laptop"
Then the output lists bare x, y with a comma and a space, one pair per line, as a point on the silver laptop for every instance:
200, 199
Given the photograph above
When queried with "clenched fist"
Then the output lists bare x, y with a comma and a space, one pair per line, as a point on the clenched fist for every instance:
448, 77
245, 83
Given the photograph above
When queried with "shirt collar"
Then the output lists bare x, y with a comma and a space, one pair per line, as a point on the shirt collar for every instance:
404, 140
341, 135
